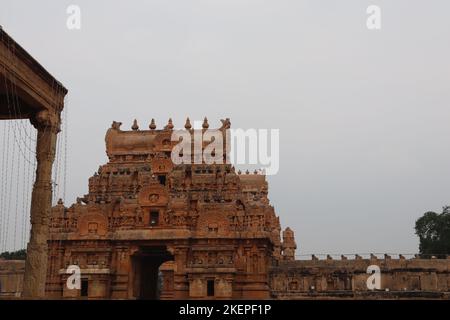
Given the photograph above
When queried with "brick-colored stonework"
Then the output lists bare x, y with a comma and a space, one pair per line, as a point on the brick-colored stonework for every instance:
346, 278
152, 229
11, 278
216, 226
149, 229
402, 278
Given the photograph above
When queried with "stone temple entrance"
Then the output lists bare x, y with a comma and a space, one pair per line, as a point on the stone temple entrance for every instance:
144, 211
147, 276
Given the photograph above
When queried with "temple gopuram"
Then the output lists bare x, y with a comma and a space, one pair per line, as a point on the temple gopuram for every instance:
150, 229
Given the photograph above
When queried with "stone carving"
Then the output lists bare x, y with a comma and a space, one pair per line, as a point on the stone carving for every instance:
208, 215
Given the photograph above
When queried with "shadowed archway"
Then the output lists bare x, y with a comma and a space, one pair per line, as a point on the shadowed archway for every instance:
147, 277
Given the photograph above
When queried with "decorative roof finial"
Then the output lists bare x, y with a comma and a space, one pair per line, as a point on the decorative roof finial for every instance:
205, 124
169, 124
135, 125
152, 125
188, 124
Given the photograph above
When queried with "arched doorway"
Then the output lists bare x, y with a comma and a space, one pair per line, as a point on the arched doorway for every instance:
147, 276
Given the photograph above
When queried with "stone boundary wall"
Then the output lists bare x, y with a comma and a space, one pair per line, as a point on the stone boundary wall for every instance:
11, 277
347, 278
321, 279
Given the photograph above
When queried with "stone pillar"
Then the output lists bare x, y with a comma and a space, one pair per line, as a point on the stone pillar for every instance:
288, 245
47, 125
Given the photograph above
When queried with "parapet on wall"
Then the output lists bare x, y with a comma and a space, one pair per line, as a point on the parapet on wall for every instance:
322, 279
11, 277
345, 278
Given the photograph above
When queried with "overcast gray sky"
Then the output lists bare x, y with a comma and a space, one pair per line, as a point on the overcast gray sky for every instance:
363, 115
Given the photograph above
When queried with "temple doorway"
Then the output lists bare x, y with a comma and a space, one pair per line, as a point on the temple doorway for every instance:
148, 279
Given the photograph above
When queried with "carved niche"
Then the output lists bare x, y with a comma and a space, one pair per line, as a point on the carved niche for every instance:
153, 195
92, 223
213, 224
161, 164
163, 141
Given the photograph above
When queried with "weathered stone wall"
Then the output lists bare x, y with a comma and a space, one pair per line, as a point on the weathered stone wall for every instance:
314, 279
400, 278
11, 277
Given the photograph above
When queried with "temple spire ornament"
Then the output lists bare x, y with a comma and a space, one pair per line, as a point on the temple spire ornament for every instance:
205, 124
188, 125
169, 124
135, 125
152, 125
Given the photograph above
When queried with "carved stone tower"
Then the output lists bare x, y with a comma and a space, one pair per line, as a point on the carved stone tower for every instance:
151, 229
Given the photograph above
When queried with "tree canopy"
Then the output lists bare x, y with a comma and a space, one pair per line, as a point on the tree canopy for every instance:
15, 255
433, 230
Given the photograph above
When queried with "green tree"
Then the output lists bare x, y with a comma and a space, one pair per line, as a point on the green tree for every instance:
433, 230
15, 255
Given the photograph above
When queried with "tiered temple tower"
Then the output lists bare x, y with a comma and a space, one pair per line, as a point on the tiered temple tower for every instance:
151, 229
